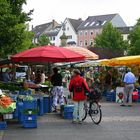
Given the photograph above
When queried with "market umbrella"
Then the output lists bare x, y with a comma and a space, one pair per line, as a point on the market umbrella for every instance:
105, 62
126, 60
47, 54
87, 53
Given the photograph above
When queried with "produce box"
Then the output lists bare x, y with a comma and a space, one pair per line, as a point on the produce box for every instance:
3, 125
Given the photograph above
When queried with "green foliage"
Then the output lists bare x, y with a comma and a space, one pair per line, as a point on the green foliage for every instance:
110, 39
13, 31
134, 38
44, 40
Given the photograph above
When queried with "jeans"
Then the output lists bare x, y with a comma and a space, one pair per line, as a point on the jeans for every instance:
78, 110
128, 90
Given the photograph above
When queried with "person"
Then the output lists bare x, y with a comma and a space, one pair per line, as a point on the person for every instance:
38, 77
57, 91
43, 77
6, 76
129, 80
89, 77
78, 87
108, 80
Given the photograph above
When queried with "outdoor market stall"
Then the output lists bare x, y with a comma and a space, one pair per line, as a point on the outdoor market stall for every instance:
29, 103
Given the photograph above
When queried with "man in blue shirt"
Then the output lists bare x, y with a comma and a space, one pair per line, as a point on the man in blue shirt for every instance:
129, 80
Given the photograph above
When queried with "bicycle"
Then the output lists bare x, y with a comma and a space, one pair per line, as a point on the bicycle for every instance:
93, 109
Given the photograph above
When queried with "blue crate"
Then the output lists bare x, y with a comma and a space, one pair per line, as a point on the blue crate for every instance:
40, 107
25, 92
47, 104
30, 124
68, 108
30, 104
3, 125
68, 115
29, 117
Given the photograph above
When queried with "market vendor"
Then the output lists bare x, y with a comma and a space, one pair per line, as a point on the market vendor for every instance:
90, 77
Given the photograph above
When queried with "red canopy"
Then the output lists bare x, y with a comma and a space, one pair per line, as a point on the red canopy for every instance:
47, 54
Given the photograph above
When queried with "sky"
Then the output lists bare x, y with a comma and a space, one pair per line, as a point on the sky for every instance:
47, 10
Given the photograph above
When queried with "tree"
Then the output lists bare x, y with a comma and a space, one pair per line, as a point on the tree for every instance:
134, 38
111, 39
13, 31
44, 40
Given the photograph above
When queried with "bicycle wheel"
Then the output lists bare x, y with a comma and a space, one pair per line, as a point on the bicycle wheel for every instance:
95, 112
85, 112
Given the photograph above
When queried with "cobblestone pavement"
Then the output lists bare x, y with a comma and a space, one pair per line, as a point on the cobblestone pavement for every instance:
118, 123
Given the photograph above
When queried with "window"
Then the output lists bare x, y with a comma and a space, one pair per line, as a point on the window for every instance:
92, 23
91, 42
67, 28
86, 32
104, 22
69, 36
50, 38
86, 43
80, 33
53, 38
91, 33
97, 24
86, 24
81, 43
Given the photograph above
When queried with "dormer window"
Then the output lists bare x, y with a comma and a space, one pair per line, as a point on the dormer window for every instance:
86, 24
104, 22
92, 23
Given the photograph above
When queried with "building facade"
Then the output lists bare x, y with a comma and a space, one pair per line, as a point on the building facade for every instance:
70, 30
93, 25
50, 29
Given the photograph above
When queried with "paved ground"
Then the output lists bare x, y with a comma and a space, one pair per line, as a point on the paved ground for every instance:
119, 123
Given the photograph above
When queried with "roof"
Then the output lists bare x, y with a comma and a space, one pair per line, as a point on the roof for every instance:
125, 30
96, 21
75, 23
39, 29
53, 32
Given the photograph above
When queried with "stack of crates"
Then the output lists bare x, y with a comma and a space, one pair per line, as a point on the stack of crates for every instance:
29, 114
47, 104
138, 88
68, 111
40, 106
111, 96
3, 125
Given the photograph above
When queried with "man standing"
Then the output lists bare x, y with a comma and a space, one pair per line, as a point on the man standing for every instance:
129, 80
78, 86
57, 91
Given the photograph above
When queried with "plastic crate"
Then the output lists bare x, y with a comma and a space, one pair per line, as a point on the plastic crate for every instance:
40, 107
68, 108
47, 104
29, 117
25, 92
30, 124
68, 115
30, 104
3, 125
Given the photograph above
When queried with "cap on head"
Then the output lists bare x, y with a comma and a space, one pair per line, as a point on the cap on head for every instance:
76, 71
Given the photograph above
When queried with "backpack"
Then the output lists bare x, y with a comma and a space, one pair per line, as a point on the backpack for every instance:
78, 86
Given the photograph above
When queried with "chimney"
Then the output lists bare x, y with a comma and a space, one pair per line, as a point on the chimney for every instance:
53, 23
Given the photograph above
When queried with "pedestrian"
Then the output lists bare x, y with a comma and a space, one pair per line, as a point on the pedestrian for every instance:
78, 87
129, 80
43, 77
90, 77
57, 91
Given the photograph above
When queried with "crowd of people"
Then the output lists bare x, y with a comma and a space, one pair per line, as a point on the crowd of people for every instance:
80, 82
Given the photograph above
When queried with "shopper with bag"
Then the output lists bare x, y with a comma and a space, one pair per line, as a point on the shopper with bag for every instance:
78, 87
